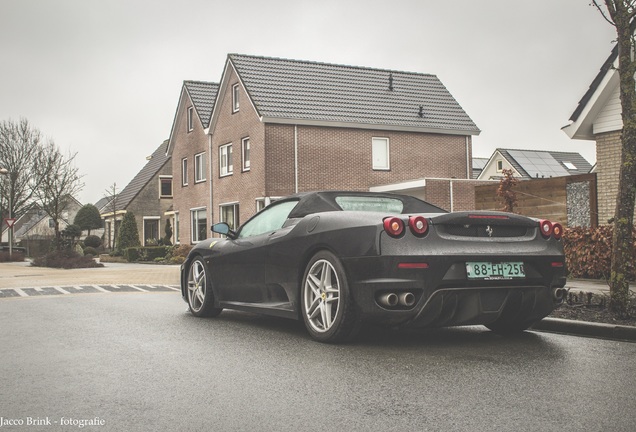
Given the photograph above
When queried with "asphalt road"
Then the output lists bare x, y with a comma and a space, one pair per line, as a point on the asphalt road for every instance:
137, 361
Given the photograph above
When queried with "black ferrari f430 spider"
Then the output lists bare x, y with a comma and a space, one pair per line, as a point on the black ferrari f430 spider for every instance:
337, 260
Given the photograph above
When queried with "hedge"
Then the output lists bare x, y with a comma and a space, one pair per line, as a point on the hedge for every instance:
148, 253
588, 252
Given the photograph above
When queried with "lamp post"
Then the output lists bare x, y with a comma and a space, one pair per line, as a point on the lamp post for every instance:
5, 172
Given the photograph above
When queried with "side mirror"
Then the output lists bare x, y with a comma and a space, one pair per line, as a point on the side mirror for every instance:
224, 229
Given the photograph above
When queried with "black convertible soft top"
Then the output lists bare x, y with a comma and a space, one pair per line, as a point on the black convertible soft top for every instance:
325, 201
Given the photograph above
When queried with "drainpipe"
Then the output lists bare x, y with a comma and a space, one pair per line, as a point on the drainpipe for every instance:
469, 168
295, 158
211, 220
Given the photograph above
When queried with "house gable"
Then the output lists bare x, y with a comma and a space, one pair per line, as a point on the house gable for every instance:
599, 109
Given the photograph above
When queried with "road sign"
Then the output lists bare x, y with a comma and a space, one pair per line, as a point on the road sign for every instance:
9, 222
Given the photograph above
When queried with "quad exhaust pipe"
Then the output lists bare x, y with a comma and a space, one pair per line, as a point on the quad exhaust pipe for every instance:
391, 300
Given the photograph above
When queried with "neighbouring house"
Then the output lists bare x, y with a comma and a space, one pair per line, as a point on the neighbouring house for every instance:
148, 196
35, 230
189, 150
478, 166
273, 127
597, 117
532, 164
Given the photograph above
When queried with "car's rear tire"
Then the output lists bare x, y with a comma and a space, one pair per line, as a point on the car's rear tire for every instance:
327, 307
199, 290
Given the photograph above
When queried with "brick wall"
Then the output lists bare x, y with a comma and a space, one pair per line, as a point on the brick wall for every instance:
341, 158
242, 187
608, 151
186, 144
438, 192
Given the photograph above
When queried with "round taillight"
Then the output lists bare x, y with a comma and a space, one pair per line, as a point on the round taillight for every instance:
418, 225
557, 231
394, 226
546, 228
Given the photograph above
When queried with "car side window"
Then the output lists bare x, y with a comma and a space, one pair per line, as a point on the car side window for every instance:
270, 219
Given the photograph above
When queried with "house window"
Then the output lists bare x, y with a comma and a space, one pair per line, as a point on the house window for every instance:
225, 160
245, 145
151, 231
184, 172
190, 119
260, 204
380, 153
230, 215
199, 224
199, 167
175, 228
235, 98
499, 165
165, 184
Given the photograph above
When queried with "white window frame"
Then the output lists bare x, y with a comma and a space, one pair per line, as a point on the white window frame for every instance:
260, 204
375, 141
175, 228
193, 226
184, 172
225, 156
246, 161
161, 179
190, 118
199, 167
235, 223
143, 227
235, 98
499, 165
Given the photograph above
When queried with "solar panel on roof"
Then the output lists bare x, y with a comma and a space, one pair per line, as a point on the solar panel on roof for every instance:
538, 164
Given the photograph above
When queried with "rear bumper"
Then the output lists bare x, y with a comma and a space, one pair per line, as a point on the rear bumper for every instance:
443, 296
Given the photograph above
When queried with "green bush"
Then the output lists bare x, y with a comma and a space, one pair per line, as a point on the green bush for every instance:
128, 234
588, 252
148, 253
92, 241
65, 259
88, 250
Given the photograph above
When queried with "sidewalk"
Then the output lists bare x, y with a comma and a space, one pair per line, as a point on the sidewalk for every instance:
22, 275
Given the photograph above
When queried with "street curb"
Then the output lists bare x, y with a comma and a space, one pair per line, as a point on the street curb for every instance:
584, 328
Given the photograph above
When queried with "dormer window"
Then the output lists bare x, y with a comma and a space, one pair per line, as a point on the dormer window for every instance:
235, 98
190, 119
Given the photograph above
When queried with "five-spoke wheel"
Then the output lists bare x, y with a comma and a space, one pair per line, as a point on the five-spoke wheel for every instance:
200, 296
327, 308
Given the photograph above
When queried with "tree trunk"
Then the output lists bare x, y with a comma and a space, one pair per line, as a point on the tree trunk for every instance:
624, 214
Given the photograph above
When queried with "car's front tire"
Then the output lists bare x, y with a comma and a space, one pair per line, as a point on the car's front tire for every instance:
327, 308
200, 295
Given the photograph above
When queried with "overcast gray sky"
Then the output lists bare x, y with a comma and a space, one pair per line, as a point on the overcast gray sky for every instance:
102, 77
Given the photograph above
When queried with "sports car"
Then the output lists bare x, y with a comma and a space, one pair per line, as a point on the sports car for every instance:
338, 260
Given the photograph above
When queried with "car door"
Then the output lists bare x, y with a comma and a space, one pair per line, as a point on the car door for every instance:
245, 258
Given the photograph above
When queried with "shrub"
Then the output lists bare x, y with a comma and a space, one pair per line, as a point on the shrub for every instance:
65, 259
88, 218
128, 234
588, 252
88, 250
149, 253
181, 250
92, 241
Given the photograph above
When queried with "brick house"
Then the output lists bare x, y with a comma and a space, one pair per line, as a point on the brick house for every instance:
189, 150
148, 196
597, 117
282, 126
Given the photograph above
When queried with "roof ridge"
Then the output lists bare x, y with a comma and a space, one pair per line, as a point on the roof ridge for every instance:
321, 63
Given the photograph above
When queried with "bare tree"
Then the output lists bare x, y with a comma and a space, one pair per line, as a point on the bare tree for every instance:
20, 145
621, 13
59, 183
